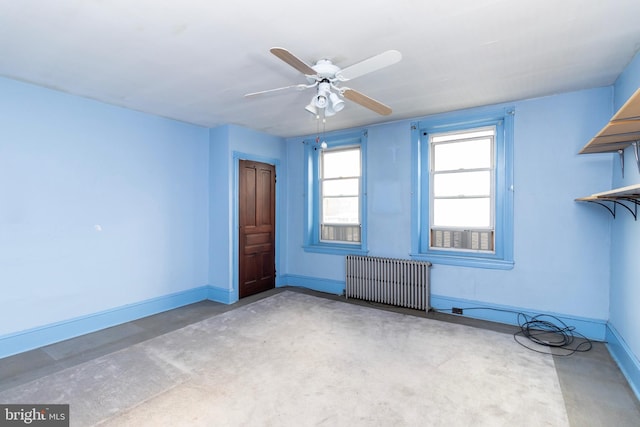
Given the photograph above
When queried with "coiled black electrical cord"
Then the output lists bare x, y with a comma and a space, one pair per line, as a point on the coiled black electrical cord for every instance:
541, 330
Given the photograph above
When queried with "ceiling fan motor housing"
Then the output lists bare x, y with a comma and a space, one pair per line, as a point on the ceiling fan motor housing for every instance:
325, 69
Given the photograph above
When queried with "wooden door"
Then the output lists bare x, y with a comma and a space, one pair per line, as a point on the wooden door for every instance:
257, 202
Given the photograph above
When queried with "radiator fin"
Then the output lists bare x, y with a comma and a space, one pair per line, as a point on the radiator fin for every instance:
399, 282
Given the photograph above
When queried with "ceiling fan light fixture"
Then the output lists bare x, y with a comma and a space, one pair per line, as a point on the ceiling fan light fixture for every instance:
324, 92
329, 111
337, 104
320, 101
312, 108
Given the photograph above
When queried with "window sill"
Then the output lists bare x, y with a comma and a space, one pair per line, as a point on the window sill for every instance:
335, 249
466, 261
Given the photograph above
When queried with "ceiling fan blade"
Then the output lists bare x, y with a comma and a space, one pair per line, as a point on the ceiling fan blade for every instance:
366, 102
262, 92
374, 63
293, 60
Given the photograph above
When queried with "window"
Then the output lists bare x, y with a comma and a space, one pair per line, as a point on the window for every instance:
462, 194
462, 203
335, 199
340, 195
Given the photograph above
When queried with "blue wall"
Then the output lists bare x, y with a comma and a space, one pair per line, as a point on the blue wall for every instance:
625, 246
561, 248
107, 214
69, 164
229, 144
220, 212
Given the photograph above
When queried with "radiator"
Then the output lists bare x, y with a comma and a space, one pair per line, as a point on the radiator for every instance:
399, 282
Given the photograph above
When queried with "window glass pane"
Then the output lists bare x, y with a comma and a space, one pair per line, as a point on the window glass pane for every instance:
472, 213
463, 135
341, 187
341, 210
462, 184
462, 155
341, 163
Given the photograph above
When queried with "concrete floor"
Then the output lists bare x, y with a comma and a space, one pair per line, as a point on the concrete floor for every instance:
594, 390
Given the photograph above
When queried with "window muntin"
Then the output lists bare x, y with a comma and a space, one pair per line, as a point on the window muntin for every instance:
340, 201
462, 190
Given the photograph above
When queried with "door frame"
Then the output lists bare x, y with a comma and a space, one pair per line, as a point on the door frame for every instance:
235, 258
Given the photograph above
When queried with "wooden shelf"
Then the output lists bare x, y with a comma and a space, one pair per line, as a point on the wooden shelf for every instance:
622, 130
629, 192
617, 197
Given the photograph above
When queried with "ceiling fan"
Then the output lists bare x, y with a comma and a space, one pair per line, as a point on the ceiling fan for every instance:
326, 77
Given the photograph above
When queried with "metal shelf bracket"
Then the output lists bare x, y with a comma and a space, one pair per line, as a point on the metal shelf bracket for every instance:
612, 209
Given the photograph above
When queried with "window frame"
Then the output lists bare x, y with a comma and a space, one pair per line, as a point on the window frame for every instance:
313, 197
492, 192
502, 255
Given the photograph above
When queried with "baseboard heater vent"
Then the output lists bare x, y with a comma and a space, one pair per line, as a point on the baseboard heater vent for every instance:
399, 282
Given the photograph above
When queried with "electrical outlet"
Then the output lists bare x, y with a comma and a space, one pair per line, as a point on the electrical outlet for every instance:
456, 310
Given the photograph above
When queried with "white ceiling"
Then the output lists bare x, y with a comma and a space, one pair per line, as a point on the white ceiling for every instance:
193, 60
